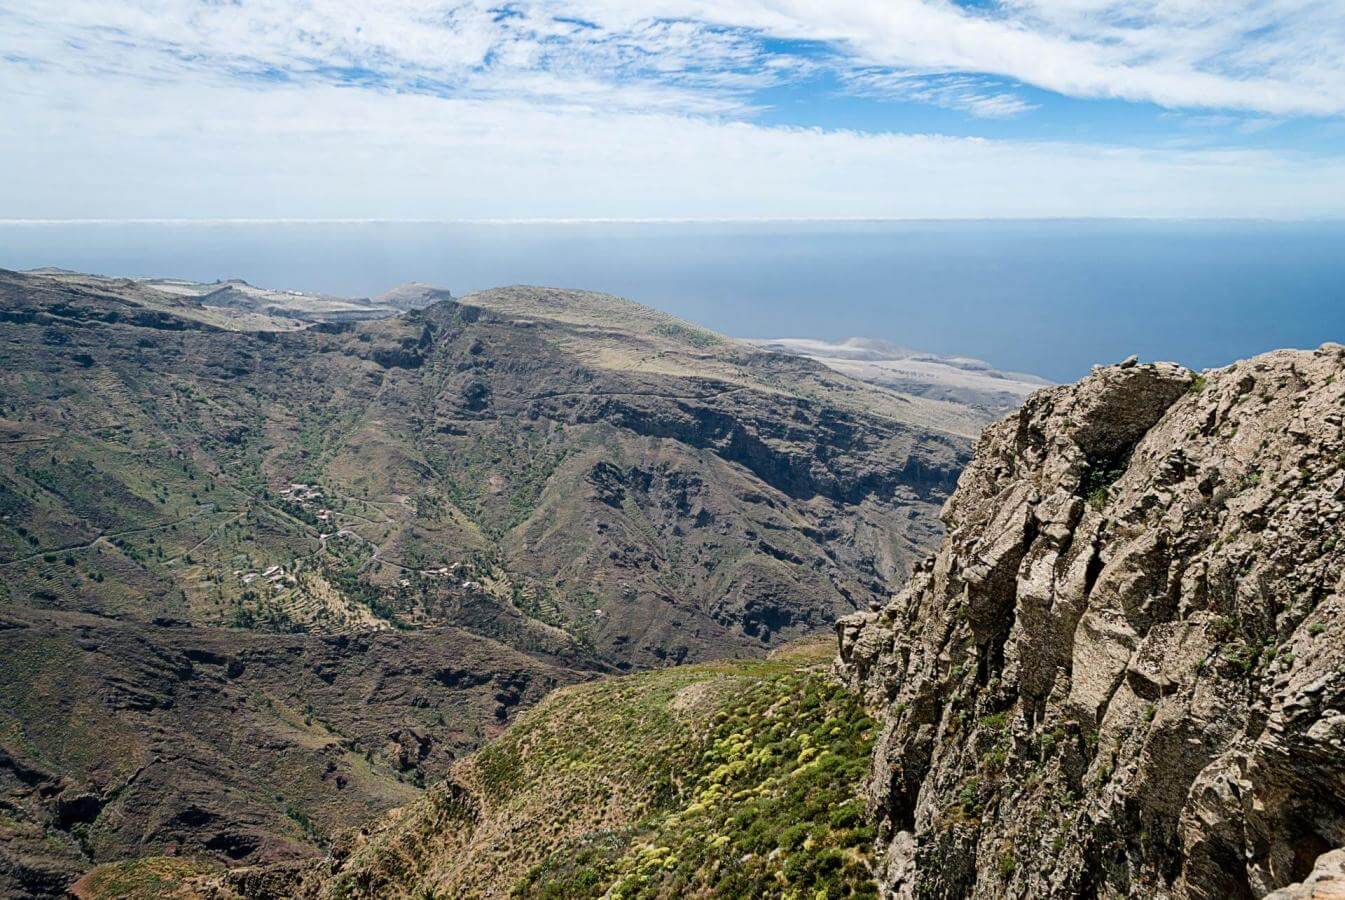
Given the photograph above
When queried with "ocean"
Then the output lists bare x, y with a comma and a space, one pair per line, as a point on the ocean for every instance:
1046, 297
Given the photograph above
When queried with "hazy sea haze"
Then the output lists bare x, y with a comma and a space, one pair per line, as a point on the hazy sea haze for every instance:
1047, 297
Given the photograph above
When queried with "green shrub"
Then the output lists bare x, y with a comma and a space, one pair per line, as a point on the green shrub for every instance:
1221, 628
994, 722
765, 798
969, 796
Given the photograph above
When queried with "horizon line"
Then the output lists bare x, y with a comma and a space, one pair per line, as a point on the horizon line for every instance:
641, 220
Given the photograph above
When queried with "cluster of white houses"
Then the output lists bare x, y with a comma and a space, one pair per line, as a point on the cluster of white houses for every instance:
276, 577
304, 495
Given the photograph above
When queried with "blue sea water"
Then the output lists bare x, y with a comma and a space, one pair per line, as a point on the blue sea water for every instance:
1047, 297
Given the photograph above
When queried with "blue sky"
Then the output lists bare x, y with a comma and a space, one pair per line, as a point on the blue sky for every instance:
670, 109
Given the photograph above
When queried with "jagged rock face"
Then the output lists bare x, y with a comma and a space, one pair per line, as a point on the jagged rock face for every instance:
1123, 674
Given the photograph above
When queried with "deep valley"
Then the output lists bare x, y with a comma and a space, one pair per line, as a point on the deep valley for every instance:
270, 566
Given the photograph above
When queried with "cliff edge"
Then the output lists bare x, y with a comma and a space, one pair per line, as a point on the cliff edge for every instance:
1123, 673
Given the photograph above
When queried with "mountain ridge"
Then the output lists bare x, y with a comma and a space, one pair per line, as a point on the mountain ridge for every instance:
425, 520
1120, 675
1121, 672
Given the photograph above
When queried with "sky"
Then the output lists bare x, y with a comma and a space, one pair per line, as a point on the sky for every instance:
672, 109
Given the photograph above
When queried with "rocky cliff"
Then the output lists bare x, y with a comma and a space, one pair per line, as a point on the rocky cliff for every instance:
1123, 673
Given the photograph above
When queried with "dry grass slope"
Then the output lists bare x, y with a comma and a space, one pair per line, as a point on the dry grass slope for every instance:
727, 779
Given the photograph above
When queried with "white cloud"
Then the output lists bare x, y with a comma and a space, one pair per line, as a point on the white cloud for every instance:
462, 49
292, 151
1281, 57
1276, 56
604, 108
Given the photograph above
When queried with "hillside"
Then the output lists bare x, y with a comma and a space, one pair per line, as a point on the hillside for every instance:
119, 738
527, 478
1123, 672
416, 525
1121, 675
614, 334
719, 779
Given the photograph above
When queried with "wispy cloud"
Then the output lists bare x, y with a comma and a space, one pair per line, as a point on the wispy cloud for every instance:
1273, 56
607, 108
970, 93
226, 151
471, 49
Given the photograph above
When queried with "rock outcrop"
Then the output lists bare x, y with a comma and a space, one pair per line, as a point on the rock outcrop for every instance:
1123, 674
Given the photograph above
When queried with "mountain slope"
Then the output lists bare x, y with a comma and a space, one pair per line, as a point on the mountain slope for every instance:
734, 778
427, 519
446, 467
1123, 673
120, 738
706, 780
614, 334
240, 306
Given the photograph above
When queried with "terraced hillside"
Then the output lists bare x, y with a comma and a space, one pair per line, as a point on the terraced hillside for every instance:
438, 515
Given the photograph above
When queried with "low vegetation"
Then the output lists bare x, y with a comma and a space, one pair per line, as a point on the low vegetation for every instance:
359, 549
727, 779
152, 877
